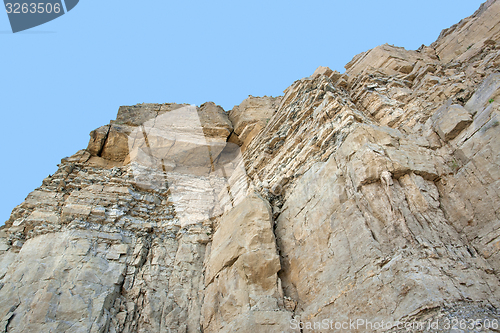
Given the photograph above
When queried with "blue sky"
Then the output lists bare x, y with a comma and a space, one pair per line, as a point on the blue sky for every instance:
61, 80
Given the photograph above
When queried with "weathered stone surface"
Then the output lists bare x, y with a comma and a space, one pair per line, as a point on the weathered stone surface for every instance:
487, 93
214, 121
465, 39
97, 139
372, 194
450, 120
360, 246
55, 292
251, 116
127, 137
388, 59
242, 285
116, 146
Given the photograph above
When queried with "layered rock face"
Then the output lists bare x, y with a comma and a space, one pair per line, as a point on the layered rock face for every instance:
371, 195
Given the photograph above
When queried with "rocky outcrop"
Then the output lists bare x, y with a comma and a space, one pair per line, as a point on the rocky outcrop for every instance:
250, 117
369, 196
468, 38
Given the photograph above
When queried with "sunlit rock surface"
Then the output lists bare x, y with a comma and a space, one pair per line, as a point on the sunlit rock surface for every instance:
372, 194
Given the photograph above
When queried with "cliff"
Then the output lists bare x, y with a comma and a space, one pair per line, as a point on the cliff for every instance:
371, 195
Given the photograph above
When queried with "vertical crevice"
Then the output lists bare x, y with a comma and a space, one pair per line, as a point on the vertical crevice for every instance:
99, 153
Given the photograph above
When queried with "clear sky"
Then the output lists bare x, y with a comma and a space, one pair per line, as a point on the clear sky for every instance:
67, 77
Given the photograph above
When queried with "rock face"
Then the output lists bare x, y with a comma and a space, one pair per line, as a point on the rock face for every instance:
361, 197
250, 117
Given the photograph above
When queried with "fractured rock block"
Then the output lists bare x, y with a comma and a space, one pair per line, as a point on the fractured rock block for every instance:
244, 254
251, 116
215, 121
116, 145
97, 139
450, 120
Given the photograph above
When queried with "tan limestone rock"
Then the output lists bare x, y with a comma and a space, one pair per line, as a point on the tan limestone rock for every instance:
371, 194
244, 254
450, 120
388, 59
466, 38
251, 116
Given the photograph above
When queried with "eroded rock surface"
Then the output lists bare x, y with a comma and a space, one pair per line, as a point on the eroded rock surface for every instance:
372, 194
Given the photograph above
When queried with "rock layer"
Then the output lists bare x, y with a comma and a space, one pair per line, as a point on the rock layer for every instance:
369, 195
